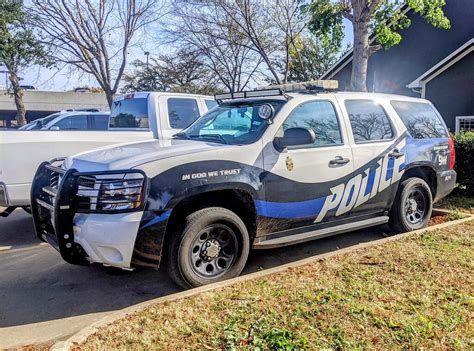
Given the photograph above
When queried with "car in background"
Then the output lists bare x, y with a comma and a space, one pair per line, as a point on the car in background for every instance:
134, 117
71, 120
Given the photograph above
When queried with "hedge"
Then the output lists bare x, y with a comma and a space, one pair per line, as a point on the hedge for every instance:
464, 144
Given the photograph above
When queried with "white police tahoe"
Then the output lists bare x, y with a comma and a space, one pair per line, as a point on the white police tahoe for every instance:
263, 169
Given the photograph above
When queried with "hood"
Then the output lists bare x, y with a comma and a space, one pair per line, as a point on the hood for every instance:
130, 155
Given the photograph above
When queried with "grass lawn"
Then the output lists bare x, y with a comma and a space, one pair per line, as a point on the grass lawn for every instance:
415, 293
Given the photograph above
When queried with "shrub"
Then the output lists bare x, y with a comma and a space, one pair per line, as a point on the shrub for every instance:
464, 144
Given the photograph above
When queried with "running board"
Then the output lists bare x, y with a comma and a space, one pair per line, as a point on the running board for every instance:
317, 234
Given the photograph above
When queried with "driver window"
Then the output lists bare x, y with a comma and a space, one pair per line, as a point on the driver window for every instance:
73, 123
319, 116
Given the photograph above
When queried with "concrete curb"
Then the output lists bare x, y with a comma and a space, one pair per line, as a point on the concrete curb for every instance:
83, 334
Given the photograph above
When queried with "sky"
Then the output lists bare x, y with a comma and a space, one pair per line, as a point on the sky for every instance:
60, 78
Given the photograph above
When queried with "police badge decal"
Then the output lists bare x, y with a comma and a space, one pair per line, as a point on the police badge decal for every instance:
289, 163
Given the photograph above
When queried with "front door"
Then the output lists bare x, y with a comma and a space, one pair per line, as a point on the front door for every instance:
304, 184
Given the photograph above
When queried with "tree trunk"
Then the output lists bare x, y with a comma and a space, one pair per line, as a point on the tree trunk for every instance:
18, 96
360, 56
110, 95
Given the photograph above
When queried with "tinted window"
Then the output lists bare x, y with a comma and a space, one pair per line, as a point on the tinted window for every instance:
129, 113
182, 112
72, 123
421, 119
99, 122
210, 103
321, 118
369, 121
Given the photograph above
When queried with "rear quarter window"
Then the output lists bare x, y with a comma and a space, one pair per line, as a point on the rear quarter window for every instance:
421, 119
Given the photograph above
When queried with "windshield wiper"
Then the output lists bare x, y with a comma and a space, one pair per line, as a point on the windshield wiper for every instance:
209, 136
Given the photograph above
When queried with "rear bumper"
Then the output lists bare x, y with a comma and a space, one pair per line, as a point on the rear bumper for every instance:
81, 237
446, 183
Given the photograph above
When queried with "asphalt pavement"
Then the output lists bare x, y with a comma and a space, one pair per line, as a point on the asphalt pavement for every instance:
42, 298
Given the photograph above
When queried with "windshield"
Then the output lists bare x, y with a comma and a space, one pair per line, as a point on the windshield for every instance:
40, 123
231, 123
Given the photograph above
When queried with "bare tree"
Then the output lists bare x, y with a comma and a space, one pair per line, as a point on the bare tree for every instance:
255, 35
216, 38
94, 35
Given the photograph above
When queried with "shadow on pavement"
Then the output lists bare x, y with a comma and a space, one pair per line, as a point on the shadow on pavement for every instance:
37, 286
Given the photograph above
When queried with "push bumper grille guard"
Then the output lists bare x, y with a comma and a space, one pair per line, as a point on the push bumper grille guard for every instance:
56, 199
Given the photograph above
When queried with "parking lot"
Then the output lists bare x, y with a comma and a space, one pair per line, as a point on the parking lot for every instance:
44, 298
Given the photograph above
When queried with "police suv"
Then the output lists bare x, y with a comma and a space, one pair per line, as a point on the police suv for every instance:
263, 169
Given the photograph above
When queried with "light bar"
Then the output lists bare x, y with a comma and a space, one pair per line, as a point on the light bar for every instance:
249, 94
304, 86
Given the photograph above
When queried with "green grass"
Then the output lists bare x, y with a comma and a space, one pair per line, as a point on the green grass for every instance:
415, 293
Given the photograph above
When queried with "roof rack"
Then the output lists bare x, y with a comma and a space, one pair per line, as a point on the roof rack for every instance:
313, 86
306, 87
249, 94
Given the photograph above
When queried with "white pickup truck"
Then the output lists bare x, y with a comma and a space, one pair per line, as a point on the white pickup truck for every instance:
133, 117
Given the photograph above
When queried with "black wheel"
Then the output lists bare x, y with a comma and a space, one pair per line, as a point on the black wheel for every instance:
212, 245
412, 206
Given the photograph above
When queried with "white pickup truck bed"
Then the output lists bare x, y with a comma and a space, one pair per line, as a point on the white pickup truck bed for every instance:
135, 117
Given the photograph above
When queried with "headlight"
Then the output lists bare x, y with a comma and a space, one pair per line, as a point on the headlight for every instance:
110, 191
124, 195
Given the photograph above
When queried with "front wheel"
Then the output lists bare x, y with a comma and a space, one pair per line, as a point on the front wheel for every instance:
212, 245
412, 207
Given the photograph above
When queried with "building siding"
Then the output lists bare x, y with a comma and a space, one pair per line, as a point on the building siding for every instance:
422, 47
452, 92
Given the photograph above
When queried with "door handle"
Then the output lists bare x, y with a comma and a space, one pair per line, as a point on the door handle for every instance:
339, 160
395, 153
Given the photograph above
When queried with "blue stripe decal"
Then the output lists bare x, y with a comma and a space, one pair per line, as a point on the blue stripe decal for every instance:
370, 182
303, 209
163, 217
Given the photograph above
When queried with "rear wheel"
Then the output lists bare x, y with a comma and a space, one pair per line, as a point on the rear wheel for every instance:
412, 207
212, 245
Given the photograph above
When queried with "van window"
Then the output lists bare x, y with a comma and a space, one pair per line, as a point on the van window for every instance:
421, 119
321, 118
369, 121
182, 112
129, 113
99, 122
77, 122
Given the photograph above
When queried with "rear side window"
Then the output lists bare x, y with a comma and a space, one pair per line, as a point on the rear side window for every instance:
182, 112
369, 121
321, 118
210, 103
129, 113
99, 122
421, 119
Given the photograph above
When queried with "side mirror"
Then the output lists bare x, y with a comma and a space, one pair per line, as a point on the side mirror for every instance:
54, 128
295, 137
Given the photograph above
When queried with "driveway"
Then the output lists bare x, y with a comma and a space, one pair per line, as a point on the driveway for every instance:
45, 299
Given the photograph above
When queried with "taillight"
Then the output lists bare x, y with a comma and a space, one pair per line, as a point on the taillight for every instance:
452, 153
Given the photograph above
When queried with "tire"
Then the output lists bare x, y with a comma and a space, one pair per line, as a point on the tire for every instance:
412, 207
212, 245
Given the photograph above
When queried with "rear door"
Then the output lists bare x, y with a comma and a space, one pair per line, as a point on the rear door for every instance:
378, 155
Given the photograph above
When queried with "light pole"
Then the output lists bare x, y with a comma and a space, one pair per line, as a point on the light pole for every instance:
147, 54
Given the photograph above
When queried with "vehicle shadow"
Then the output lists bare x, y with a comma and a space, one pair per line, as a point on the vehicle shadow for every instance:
37, 286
